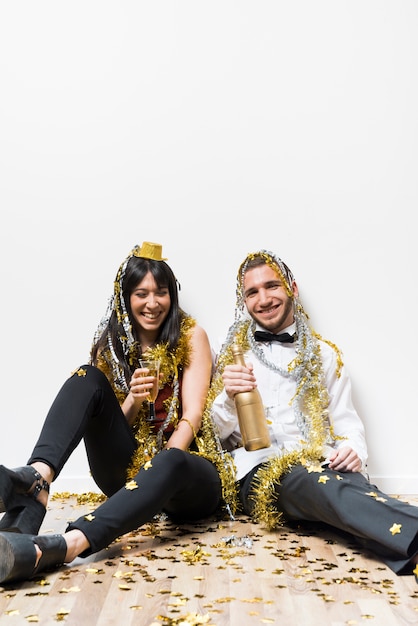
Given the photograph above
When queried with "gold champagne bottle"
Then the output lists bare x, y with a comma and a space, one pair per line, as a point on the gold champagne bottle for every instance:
251, 414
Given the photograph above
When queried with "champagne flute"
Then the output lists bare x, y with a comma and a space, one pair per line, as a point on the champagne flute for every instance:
153, 368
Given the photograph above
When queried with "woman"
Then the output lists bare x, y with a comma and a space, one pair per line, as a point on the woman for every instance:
143, 466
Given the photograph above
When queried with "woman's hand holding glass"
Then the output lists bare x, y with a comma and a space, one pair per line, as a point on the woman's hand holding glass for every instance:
150, 379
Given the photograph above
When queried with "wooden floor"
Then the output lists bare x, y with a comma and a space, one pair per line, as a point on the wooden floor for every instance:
217, 574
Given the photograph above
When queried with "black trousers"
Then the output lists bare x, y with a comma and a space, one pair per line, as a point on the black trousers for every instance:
348, 502
185, 486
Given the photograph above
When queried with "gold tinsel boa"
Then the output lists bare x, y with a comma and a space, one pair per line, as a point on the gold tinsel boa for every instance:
312, 400
150, 443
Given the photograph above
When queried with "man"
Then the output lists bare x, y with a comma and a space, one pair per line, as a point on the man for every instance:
315, 468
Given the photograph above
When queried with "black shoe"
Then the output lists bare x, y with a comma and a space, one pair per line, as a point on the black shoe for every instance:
18, 555
26, 517
24, 480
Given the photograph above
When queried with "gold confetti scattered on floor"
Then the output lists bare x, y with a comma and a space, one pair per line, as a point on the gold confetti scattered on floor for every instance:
215, 573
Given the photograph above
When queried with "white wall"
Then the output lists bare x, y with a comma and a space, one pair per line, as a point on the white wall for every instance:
215, 128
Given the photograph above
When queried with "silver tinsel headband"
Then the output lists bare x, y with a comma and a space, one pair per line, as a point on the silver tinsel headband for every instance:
116, 303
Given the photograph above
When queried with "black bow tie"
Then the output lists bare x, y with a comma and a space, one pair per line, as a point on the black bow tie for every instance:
259, 335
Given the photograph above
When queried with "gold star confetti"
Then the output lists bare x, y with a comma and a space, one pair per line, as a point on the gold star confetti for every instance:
314, 467
89, 517
62, 613
92, 570
131, 485
120, 574
395, 529
253, 600
191, 619
70, 590
147, 465
158, 553
193, 556
323, 479
80, 372
374, 495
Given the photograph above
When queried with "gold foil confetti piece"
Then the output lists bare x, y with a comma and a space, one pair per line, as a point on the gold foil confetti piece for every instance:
70, 590
367, 616
93, 570
253, 600
136, 607
191, 619
124, 587
178, 602
314, 468
12, 612
194, 556
37, 593
415, 570
323, 479
147, 465
62, 613
32, 618
90, 498
225, 600
80, 372
89, 517
338, 477
395, 529
120, 574
131, 485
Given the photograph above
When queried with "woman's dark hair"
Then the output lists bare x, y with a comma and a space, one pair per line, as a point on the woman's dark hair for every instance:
169, 333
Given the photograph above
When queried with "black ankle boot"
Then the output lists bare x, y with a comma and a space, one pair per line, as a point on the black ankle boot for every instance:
18, 555
24, 480
26, 517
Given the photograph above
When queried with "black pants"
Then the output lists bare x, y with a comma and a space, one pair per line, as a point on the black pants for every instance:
185, 486
349, 502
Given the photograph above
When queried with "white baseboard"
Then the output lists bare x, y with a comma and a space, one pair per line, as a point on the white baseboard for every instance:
399, 485
74, 484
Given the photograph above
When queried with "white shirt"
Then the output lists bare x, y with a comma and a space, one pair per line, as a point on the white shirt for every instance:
276, 391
